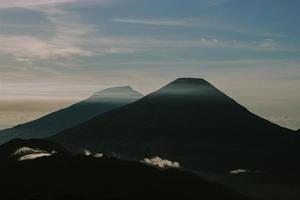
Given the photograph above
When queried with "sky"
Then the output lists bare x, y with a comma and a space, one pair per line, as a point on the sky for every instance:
57, 52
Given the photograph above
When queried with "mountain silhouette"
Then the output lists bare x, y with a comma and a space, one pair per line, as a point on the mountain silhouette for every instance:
55, 122
190, 121
74, 177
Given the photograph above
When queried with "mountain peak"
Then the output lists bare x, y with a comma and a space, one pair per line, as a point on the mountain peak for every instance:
127, 88
192, 87
188, 80
189, 83
121, 92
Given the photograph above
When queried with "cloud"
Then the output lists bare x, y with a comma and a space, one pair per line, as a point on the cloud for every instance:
27, 153
25, 150
239, 171
29, 3
71, 38
89, 153
37, 4
34, 156
98, 155
119, 50
161, 163
243, 171
158, 22
208, 23
64, 42
25, 48
217, 2
268, 43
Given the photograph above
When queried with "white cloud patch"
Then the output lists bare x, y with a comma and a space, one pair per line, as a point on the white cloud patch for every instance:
98, 155
27, 153
239, 171
89, 153
25, 150
161, 163
34, 156
243, 171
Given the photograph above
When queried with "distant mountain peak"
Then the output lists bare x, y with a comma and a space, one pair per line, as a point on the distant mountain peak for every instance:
73, 115
116, 89
121, 92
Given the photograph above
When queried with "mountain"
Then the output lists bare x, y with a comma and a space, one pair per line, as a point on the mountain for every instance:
77, 177
55, 122
191, 121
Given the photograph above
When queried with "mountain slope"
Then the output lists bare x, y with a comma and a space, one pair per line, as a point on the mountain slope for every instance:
53, 123
192, 122
62, 175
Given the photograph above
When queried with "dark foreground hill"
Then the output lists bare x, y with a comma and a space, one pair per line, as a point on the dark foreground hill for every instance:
62, 176
192, 122
53, 123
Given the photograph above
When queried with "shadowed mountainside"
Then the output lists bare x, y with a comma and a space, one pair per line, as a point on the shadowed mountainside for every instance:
53, 123
190, 121
64, 176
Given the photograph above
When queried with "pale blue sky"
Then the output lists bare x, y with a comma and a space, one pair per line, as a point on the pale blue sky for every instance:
68, 49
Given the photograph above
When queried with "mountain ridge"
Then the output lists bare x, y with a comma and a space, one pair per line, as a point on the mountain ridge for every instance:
77, 113
185, 120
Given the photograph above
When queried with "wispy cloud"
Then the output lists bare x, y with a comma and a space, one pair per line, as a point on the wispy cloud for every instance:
160, 22
27, 48
63, 43
33, 4
218, 2
71, 37
268, 43
28, 3
206, 23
